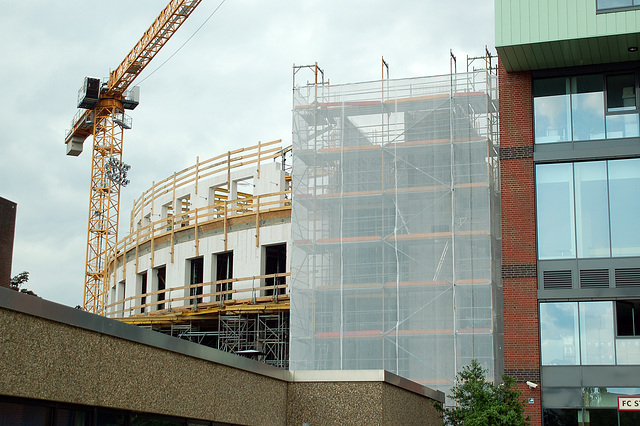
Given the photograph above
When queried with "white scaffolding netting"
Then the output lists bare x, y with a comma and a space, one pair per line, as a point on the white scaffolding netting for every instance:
395, 226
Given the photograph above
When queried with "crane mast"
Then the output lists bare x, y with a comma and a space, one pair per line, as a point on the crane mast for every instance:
102, 115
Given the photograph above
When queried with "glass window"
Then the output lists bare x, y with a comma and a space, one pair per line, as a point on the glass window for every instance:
559, 338
587, 107
106, 417
622, 126
72, 417
584, 333
629, 418
24, 414
624, 194
592, 209
560, 417
598, 216
621, 92
154, 420
596, 333
606, 397
628, 329
576, 109
551, 110
628, 317
628, 351
615, 4
600, 417
555, 211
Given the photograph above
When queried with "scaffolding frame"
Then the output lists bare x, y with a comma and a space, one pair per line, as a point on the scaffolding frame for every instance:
395, 239
263, 337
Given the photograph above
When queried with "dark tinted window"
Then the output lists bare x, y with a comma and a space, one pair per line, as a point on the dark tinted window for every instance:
628, 317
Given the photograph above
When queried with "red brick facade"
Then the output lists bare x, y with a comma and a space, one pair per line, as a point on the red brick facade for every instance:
7, 230
520, 303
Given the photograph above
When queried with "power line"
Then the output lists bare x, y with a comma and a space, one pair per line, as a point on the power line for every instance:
184, 44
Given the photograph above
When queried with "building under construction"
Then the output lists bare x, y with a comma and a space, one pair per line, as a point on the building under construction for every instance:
206, 256
387, 243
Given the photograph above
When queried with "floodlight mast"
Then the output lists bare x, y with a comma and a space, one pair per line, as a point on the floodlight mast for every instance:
102, 115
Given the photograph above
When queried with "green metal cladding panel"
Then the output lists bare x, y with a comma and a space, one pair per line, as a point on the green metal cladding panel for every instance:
538, 34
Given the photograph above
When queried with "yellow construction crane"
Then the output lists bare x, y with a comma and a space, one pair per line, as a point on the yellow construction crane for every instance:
101, 114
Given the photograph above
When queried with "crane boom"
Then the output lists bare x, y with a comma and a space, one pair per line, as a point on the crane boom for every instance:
162, 29
104, 118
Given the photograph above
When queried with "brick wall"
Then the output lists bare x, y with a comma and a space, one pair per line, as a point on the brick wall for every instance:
7, 230
520, 306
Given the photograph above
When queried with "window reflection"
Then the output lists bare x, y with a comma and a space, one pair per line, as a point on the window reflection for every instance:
612, 4
592, 209
601, 215
596, 333
587, 107
624, 194
578, 417
583, 333
559, 333
555, 211
622, 126
552, 114
627, 351
606, 396
579, 108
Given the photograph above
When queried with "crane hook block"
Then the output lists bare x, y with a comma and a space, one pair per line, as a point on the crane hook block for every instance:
89, 93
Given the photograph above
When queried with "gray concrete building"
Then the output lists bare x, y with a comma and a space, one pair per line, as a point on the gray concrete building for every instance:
62, 366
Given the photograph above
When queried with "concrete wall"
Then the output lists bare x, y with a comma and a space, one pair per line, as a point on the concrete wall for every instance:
55, 353
46, 360
357, 403
242, 242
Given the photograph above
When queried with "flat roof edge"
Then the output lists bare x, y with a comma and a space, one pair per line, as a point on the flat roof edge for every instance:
568, 52
309, 376
37, 307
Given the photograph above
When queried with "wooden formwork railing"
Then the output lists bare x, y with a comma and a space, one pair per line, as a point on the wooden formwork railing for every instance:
219, 214
222, 164
163, 301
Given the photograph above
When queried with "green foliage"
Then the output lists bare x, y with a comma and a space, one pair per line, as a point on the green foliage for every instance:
18, 280
480, 403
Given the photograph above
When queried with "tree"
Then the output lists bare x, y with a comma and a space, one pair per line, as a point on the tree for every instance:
17, 281
479, 402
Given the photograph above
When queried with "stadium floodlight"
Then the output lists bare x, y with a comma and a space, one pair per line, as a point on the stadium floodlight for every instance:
116, 171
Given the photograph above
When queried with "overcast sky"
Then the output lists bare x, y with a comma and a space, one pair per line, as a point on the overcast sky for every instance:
229, 87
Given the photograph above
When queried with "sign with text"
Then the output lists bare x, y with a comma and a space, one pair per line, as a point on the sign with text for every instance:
629, 403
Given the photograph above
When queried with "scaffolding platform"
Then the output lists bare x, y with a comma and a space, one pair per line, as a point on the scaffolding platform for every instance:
394, 226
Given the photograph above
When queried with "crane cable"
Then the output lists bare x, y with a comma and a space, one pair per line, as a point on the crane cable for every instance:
184, 44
